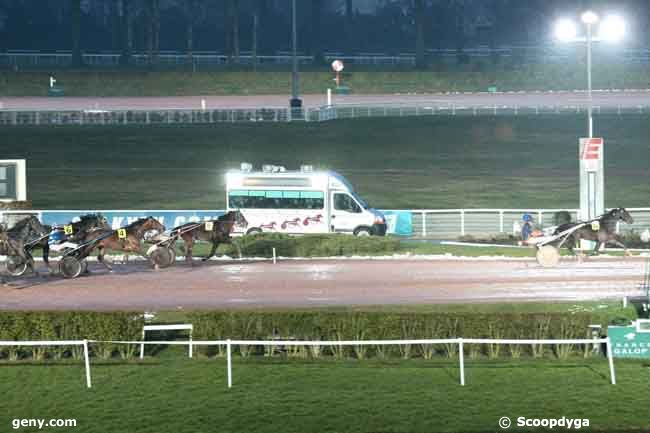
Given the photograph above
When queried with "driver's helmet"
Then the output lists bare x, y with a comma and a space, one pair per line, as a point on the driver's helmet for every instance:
56, 236
527, 217
76, 219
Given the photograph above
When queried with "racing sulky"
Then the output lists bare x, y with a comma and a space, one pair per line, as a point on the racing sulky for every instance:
601, 230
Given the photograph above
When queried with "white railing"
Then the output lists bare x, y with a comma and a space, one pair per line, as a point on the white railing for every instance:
536, 54
425, 223
83, 343
273, 343
281, 114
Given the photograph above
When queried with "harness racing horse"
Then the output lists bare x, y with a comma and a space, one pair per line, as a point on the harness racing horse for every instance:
127, 239
601, 230
17, 243
215, 231
76, 231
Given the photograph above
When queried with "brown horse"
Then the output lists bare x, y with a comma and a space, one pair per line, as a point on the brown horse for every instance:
215, 231
127, 239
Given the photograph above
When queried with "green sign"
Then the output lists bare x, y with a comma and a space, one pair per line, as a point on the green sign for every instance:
630, 341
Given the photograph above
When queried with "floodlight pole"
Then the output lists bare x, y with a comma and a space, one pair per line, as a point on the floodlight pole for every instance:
295, 78
590, 103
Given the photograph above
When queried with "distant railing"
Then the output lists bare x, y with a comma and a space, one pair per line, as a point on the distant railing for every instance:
537, 54
280, 114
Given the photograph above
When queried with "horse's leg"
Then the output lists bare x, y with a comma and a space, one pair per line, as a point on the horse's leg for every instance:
213, 251
188, 241
29, 260
100, 258
616, 241
46, 257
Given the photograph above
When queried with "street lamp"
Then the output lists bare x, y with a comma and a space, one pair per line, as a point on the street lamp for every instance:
610, 29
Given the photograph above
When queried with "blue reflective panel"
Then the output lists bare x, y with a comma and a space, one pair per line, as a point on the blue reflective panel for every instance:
311, 194
274, 194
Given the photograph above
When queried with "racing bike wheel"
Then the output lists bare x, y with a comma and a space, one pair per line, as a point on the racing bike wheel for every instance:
70, 267
15, 266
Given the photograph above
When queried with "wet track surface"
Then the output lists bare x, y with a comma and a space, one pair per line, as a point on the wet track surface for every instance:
317, 283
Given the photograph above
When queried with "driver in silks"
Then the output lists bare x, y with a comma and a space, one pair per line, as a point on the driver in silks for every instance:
527, 227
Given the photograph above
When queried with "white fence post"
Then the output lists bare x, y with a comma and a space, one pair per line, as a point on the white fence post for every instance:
461, 357
610, 358
424, 224
229, 361
501, 221
462, 222
87, 362
142, 345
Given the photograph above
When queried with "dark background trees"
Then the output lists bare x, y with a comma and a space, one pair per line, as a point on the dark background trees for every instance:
346, 26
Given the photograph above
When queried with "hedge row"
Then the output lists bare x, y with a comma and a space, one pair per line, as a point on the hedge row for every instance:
261, 245
381, 326
307, 325
69, 326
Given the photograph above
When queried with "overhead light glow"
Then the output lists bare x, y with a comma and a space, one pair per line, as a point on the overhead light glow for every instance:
612, 28
565, 30
589, 17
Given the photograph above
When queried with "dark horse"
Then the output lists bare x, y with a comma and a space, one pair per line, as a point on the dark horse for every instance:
17, 241
77, 231
601, 230
127, 239
215, 231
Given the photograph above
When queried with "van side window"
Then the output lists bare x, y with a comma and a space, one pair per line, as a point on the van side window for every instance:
345, 203
276, 199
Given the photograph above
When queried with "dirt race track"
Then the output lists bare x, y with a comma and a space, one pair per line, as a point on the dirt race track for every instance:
317, 283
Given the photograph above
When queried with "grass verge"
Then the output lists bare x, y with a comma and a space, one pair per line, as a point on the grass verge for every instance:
175, 394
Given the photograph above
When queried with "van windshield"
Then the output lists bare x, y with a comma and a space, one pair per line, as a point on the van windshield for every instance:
360, 200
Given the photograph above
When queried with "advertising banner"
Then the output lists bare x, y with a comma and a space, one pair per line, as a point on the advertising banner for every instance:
121, 218
630, 341
399, 222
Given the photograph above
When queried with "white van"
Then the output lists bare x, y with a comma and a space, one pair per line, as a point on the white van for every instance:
300, 202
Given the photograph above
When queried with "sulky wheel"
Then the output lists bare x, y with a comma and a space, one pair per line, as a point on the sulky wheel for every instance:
548, 256
84, 266
162, 257
15, 266
70, 267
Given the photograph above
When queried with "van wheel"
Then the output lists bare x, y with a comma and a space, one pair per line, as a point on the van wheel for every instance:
362, 231
254, 231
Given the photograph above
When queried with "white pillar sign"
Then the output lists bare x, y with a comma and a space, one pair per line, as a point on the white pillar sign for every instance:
592, 185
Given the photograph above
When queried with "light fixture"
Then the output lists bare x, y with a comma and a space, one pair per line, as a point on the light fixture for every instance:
612, 28
589, 17
566, 30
